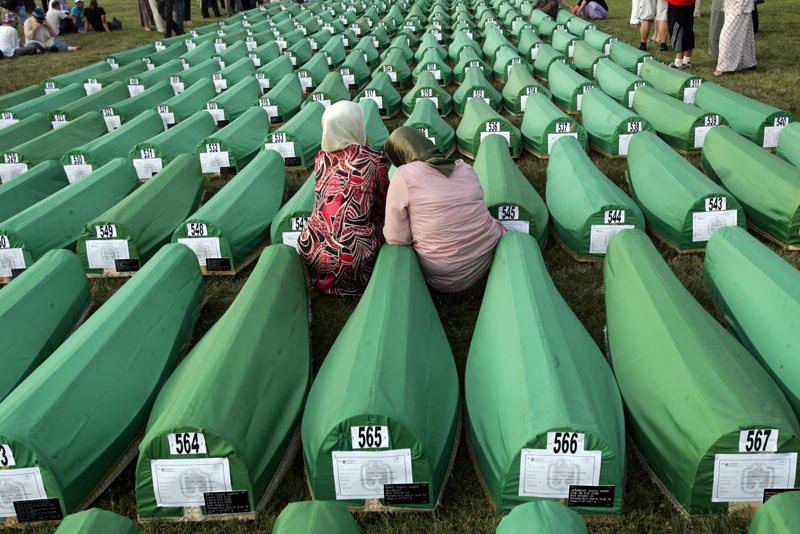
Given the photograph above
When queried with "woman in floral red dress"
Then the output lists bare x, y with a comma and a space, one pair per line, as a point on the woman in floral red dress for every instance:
340, 242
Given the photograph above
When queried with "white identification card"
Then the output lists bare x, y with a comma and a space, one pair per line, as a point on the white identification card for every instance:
217, 113
688, 94
76, 173
546, 474
505, 135
147, 168
59, 120
187, 443
92, 87
534, 52
220, 84
5, 123
771, 134
286, 149
10, 258
744, 477
552, 138
19, 485
348, 79
700, 133
212, 162
179, 483
624, 144
251, 45
758, 440
9, 171
305, 82
705, 223
290, 238
6, 456
601, 234
523, 227
369, 437
134, 90
392, 75
362, 474
178, 87
112, 122
203, 247
101, 253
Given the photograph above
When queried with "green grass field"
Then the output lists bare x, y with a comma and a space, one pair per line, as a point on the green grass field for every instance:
465, 509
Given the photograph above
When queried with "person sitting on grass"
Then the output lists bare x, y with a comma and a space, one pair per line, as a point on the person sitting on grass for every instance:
59, 20
96, 18
590, 9
9, 39
76, 13
40, 34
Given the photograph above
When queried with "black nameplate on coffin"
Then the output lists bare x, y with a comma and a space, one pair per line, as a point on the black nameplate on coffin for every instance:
352, 86
771, 492
218, 264
308, 90
227, 171
395, 84
416, 493
38, 510
16, 272
126, 266
293, 162
591, 496
223, 123
382, 111
227, 502
276, 119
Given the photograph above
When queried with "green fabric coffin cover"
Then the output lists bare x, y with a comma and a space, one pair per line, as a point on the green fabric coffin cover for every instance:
235, 221
586, 207
283, 101
187, 103
427, 88
546, 56
401, 48
152, 77
122, 74
681, 204
96, 390
234, 145
435, 64
265, 53
544, 124
690, 388
788, 144
767, 186
551, 378
48, 102
82, 160
189, 77
547, 26
21, 96
673, 82
377, 133
23, 130
355, 71
599, 40
616, 82
168, 54
38, 310
97, 521
567, 86
681, 125
460, 40
152, 155
628, 57
126, 57
585, 58
507, 193
108, 96
313, 517
476, 86
77, 75
331, 90
57, 221
261, 345
760, 123
378, 374
396, 68
30, 187
298, 140
578, 26
469, 59
368, 50
333, 49
427, 44
231, 104
231, 54
507, 58
529, 43
291, 218
312, 72
233, 74
427, 120
300, 52
564, 43
493, 41
131, 108
480, 121
537, 16
763, 311
543, 517
199, 54
274, 72
138, 225
779, 515
610, 125
381, 89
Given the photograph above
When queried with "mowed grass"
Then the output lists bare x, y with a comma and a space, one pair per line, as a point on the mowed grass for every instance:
465, 509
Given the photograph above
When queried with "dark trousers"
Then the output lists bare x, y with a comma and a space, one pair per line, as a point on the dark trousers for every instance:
165, 8
205, 4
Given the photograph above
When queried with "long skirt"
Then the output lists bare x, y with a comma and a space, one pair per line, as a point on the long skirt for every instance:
146, 14
737, 44
715, 27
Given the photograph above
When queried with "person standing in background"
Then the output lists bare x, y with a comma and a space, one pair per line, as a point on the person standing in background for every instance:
146, 15
715, 26
205, 4
661, 33
635, 21
161, 26
165, 9
737, 44
681, 31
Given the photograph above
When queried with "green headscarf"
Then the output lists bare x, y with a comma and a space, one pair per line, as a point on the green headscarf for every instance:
407, 144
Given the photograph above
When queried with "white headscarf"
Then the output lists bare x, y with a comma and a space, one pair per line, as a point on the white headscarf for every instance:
342, 126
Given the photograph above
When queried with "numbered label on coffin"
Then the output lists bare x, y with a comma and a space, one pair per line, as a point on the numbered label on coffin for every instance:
601, 234
369, 437
544, 473
758, 440
213, 159
91, 86
19, 485
565, 442
181, 483
148, 165
495, 128
7, 119
78, 169
700, 132
690, 92
705, 223
371, 95
11, 167
744, 477
186, 443
220, 83
6, 456
362, 474
102, 253
167, 117
215, 111
203, 247
59, 120
319, 97
771, 133
111, 119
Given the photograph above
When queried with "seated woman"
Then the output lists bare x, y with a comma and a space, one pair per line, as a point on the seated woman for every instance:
340, 242
590, 9
436, 205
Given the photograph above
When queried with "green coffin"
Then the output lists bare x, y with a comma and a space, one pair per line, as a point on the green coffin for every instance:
187, 103
767, 186
567, 86
480, 121
382, 90
96, 390
427, 88
379, 38
427, 44
760, 123
681, 204
427, 120
542, 516
779, 515
150, 156
232, 104
233, 74
300, 52
628, 57
283, 101
377, 133
585, 59
108, 96
198, 54
564, 43
127, 57
265, 53
546, 56
30, 187
48, 102
235, 221
476, 86
578, 26
234, 145
432, 62
97, 521
599, 40
292, 217
331, 90
789, 144
20, 131
122, 74
141, 223
587, 209
507, 58
159, 58
53, 294
298, 141
131, 108
544, 124
151, 77
529, 43
551, 380
261, 345
673, 82
493, 41
355, 71
395, 66
509, 196
19, 97
547, 26
273, 72
334, 50
460, 41
681, 125
77, 75
82, 160
616, 82
191, 76
407, 428
369, 49
313, 517
470, 59
693, 394
231, 54
610, 125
